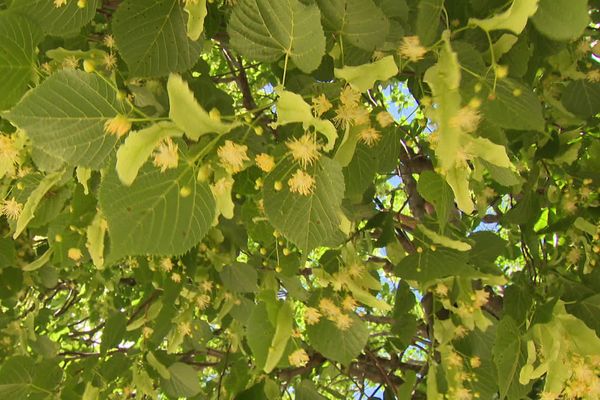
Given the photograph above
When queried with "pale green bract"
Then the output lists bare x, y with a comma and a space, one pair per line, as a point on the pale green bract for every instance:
138, 146
196, 11
363, 77
291, 108
514, 19
188, 114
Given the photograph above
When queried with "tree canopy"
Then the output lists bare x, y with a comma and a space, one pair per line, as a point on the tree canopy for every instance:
299, 199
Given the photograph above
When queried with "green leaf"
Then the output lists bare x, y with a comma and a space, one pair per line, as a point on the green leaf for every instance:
444, 80
307, 221
562, 19
265, 30
39, 262
184, 381
196, 11
239, 278
508, 354
588, 311
363, 77
163, 371
306, 390
259, 334
582, 98
283, 332
22, 379
429, 15
152, 37
514, 19
360, 22
337, 345
65, 21
34, 200
433, 188
444, 240
159, 214
292, 108
65, 117
188, 115
8, 254
431, 265
360, 172
514, 106
138, 147
18, 40
113, 332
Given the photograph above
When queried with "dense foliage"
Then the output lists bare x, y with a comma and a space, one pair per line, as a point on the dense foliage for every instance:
264, 199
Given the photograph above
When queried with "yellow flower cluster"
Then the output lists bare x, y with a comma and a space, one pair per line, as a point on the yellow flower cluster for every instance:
166, 155
333, 313
412, 49
232, 156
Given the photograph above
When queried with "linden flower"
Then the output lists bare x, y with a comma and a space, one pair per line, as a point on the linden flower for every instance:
356, 270
475, 362
166, 264
265, 162
349, 304
301, 183
321, 105
166, 155
369, 136
118, 125
8, 150
455, 359
109, 41
441, 290
185, 328
206, 286
342, 322
384, 119
466, 119
59, 3
573, 256
328, 308
147, 332
71, 62
349, 96
202, 301
232, 156
110, 61
311, 315
463, 394
175, 277
74, 254
411, 48
304, 150
298, 358
11, 208
480, 298
593, 75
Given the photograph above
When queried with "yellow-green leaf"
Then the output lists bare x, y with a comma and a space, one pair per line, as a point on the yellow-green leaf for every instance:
363, 77
196, 11
283, 332
444, 240
292, 108
95, 239
34, 200
138, 146
188, 114
514, 19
